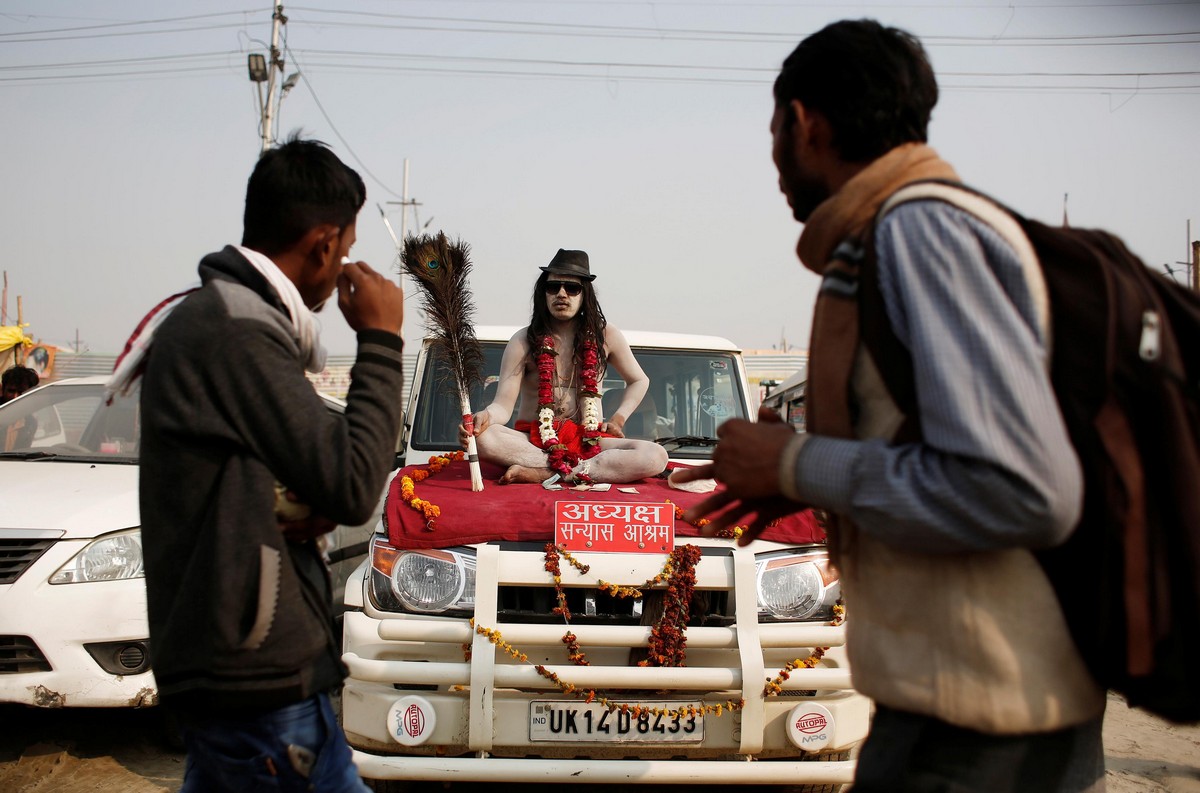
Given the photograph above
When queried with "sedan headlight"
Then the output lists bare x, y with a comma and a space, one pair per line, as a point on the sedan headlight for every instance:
429, 582
114, 557
796, 586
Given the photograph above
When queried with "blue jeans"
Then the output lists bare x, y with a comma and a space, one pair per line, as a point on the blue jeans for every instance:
295, 748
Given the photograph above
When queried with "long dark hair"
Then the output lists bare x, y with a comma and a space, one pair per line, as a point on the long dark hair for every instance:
589, 322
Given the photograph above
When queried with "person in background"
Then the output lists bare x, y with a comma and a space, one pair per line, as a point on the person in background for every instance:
953, 629
242, 637
555, 365
15, 381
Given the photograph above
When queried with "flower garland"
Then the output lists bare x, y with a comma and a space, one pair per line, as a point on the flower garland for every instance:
668, 638
728, 534
671, 647
600, 697
775, 687
552, 567
408, 488
559, 458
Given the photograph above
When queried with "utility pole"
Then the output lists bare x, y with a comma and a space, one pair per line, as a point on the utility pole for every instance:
278, 20
404, 204
263, 72
1195, 265
19, 350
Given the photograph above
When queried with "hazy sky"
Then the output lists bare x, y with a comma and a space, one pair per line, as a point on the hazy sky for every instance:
636, 131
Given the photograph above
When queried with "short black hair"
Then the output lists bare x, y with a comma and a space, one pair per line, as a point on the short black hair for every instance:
294, 187
874, 85
20, 377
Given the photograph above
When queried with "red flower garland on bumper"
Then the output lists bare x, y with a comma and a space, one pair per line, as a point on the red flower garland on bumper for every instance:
668, 638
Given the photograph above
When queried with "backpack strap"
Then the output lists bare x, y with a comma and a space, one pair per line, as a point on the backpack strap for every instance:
892, 358
1000, 218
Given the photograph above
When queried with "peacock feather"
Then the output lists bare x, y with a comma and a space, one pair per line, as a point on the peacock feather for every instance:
440, 269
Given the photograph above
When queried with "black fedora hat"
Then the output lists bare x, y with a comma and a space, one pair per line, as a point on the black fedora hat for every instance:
570, 263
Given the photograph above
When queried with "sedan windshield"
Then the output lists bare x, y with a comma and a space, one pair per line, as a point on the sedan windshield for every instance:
70, 421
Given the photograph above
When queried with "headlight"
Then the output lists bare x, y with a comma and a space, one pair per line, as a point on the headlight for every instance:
422, 581
797, 586
112, 558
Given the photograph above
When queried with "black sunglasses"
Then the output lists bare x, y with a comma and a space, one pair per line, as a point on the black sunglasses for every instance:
573, 288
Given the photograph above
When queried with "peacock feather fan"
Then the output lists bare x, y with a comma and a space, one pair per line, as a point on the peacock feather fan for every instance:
440, 269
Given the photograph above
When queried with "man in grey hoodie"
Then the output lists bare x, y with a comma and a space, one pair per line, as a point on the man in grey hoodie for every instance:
242, 640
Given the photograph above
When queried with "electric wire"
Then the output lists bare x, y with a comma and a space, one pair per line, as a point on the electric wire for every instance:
129, 23
332, 126
351, 61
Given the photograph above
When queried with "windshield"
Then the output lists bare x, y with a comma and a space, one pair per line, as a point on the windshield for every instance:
65, 420
691, 394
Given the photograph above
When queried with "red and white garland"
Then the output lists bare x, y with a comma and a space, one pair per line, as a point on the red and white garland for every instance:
559, 458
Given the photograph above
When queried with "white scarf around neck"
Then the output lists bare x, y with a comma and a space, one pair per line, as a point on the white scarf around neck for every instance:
305, 328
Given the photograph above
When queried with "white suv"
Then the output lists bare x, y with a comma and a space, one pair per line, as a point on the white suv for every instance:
73, 627
431, 697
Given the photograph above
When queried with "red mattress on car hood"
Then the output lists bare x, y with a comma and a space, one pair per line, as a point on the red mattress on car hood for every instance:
524, 512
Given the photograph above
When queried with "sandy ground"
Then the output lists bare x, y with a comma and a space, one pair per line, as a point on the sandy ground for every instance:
125, 751
1144, 753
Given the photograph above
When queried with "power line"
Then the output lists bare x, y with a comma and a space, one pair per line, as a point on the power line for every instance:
123, 61
43, 79
592, 71
655, 34
539, 28
322, 56
130, 23
572, 28
332, 126
123, 34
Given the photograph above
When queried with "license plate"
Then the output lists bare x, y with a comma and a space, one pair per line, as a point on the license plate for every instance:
581, 722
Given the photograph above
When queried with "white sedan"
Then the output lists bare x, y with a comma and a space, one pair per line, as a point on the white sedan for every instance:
72, 596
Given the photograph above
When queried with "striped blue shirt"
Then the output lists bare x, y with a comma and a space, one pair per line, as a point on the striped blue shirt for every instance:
996, 468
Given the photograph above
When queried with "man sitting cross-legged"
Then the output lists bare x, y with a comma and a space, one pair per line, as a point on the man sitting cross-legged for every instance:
555, 365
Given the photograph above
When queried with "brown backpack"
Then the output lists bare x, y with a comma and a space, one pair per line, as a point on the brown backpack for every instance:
1125, 368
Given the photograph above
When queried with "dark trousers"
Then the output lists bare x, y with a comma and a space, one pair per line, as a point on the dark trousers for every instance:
907, 753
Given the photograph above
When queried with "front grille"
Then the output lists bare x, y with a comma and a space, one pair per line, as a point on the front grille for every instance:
18, 654
17, 555
591, 606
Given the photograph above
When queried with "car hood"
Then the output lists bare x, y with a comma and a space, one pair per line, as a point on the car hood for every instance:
82, 499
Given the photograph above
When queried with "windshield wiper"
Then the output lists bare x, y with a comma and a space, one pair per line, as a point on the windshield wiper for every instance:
688, 440
30, 454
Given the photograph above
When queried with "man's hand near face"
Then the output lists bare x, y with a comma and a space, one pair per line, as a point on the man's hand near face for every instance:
368, 300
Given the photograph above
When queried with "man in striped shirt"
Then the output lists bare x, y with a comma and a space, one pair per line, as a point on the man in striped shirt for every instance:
953, 628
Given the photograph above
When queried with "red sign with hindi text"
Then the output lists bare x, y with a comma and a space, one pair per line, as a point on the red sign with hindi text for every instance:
614, 527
